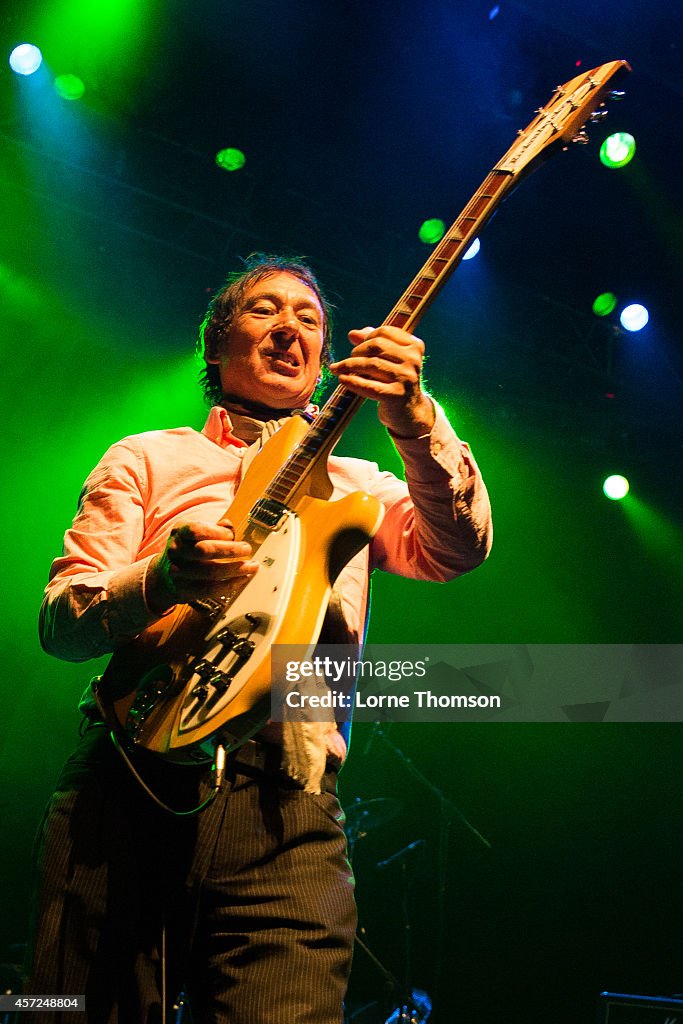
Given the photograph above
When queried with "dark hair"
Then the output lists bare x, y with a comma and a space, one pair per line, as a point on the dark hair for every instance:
226, 302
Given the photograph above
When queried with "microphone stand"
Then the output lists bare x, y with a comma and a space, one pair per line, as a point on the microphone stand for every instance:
448, 812
400, 859
407, 931
391, 983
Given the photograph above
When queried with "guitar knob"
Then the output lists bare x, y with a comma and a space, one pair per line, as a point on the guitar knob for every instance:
597, 116
617, 94
220, 681
227, 637
243, 648
581, 137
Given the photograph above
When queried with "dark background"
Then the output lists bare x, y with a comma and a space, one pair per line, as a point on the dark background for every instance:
359, 121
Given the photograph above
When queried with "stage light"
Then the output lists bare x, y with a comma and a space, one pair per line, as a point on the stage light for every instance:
615, 487
618, 150
69, 87
431, 231
231, 159
634, 317
473, 250
604, 304
25, 59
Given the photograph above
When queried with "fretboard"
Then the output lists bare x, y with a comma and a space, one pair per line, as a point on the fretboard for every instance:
443, 260
559, 123
406, 314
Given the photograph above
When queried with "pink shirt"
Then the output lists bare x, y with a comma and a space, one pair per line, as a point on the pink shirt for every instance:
436, 527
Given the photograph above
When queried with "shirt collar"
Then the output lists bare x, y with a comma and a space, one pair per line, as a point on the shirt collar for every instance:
218, 427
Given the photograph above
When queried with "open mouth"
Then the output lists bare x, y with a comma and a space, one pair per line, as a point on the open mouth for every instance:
284, 362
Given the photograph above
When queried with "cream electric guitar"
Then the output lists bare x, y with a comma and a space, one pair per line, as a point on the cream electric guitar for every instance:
200, 675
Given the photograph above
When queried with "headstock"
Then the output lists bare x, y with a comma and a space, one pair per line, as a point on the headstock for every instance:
564, 118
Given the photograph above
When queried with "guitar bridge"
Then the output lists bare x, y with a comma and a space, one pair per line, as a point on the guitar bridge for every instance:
152, 687
208, 606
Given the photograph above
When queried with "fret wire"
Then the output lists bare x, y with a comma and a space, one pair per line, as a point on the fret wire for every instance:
448, 250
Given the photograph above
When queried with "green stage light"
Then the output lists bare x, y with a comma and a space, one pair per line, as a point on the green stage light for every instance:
604, 304
95, 38
618, 150
615, 487
431, 231
25, 59
231, 159
69, 87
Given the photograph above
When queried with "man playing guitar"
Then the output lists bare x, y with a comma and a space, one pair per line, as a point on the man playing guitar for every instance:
248, 904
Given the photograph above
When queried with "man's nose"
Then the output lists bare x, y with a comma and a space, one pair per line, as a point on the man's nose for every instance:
286, 329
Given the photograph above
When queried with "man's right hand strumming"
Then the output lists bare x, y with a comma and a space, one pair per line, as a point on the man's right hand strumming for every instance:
197, 560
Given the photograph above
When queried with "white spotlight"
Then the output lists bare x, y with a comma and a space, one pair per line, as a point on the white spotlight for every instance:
25, 59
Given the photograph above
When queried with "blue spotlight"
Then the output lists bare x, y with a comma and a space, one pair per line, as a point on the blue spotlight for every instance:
25, 59
634, 317
473, 250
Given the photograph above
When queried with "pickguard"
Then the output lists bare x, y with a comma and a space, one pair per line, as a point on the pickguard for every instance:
240, 639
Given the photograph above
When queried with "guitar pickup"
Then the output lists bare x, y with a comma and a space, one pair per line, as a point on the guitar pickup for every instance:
268, 513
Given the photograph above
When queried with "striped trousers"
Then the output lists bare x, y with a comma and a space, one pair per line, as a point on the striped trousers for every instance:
248, 905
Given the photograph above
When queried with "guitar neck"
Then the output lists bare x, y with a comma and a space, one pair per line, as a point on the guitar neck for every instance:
427, 284
560, 122
337, 412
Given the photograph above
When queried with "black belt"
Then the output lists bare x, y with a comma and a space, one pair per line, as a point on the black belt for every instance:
264, 757
253, 757
259, 756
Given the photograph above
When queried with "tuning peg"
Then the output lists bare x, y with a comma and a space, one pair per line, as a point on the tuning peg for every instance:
617, 94
598, 115
581, 137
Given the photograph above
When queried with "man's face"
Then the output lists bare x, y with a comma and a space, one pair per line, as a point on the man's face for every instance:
272, 353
